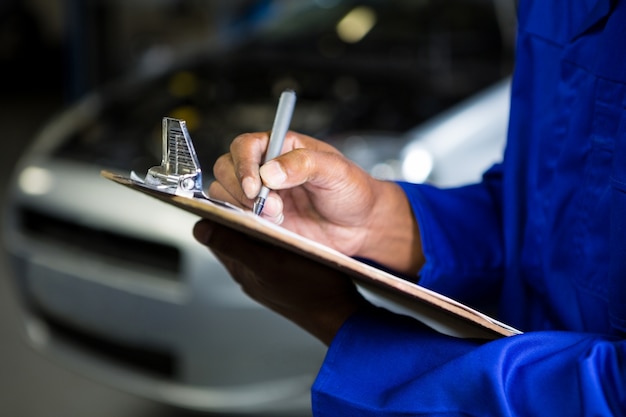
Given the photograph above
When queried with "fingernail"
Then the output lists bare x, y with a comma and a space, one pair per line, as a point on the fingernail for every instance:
273, 205
273, 174
249, 187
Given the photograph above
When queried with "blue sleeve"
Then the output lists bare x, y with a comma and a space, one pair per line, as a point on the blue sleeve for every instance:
381, 364
461, 233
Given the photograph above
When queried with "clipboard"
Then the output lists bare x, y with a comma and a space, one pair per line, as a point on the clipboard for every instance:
178, 182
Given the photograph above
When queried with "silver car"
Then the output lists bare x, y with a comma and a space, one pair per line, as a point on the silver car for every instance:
112, 284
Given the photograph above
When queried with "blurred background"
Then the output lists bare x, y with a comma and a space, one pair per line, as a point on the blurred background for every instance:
109, 311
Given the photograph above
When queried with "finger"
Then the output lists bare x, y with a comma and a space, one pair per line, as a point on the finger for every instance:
227, 186
247, 152
273, 209
217, 191
274, 263
232, 247
229, 246
212, 235
202, 231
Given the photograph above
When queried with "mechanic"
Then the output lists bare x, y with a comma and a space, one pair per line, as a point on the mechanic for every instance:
542, 237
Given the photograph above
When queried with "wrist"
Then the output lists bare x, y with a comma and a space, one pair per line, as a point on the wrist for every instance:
393, 236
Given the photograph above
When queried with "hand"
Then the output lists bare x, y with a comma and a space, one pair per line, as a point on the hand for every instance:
322, 195
313, 296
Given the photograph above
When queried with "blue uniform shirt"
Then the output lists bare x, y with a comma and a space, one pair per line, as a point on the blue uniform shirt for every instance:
542, 238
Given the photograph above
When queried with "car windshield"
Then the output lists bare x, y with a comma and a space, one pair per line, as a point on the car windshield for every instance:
409, 61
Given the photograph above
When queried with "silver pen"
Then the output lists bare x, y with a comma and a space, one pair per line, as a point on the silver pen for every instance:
286, 104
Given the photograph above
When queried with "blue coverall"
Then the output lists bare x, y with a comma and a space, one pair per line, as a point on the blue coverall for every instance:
542, 237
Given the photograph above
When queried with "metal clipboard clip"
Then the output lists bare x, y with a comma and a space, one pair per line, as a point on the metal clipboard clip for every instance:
179, 172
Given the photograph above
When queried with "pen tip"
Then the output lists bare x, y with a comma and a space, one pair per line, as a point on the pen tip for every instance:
257, 207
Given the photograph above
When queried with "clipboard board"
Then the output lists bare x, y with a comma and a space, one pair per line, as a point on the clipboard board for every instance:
178, 182
435, 310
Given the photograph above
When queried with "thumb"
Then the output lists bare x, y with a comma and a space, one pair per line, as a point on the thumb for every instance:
203, 230
300, 166
273, 174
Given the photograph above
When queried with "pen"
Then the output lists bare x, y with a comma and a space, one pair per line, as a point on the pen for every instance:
282, 120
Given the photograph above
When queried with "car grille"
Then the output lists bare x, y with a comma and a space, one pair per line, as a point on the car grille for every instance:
114, 247
149, 360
